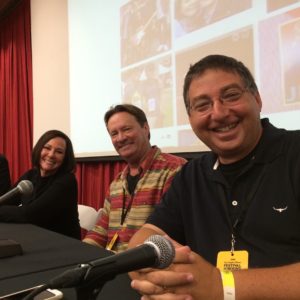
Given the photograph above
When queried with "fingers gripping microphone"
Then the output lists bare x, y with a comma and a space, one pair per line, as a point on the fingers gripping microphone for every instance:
156, 252
24, 187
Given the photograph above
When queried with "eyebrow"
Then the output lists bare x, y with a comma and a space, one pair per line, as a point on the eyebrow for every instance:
58, 148
222, 90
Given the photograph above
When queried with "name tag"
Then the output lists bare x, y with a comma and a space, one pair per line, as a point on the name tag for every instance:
230, 261
112, 242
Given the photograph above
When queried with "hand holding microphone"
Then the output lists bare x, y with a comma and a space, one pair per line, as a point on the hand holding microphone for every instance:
24, 187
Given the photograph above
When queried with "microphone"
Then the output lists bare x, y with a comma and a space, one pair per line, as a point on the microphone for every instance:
156, 252
24, 187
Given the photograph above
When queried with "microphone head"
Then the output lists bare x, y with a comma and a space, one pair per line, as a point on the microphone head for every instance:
25, 187
164, 249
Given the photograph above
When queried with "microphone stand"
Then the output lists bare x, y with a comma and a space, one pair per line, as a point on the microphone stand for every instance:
89, 292
92, 285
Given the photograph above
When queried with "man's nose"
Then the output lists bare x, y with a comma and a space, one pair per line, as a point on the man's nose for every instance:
219, 110
120, 136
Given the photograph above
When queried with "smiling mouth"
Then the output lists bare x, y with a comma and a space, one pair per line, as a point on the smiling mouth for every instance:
123, 146
226, 128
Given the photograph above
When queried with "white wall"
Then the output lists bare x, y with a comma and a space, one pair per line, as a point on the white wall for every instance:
49, 29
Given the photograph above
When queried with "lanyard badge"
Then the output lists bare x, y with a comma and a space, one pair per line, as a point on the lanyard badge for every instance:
232, 260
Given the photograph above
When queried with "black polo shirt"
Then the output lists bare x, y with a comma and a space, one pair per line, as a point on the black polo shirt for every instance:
196, 210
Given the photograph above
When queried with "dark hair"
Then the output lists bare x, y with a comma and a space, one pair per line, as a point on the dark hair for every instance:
129, 108
221, 62
69, 163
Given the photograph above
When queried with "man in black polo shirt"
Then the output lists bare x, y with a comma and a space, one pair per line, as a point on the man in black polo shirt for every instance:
236, 208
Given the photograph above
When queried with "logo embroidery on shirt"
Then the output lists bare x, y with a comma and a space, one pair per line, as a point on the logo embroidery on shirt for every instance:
280, 209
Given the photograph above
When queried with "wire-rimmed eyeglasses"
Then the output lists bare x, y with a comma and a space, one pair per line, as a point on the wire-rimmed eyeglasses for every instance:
228, 97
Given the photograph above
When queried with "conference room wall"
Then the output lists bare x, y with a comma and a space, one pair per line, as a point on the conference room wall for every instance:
50, 62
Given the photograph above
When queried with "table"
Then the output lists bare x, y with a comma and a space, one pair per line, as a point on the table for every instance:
47, 254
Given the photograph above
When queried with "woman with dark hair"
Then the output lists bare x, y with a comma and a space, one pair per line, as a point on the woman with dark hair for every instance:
4, 175
53, 202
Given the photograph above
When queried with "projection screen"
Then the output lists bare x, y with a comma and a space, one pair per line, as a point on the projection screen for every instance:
139, 52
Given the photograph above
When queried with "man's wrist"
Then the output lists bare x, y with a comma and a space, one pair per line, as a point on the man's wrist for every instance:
228, 285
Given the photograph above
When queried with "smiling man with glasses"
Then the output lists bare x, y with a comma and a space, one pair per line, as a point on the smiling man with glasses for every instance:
235, 210
223, 105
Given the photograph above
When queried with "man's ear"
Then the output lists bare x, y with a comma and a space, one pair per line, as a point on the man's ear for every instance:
258, 100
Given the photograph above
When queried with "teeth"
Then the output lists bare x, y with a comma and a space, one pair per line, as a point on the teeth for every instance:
227, 128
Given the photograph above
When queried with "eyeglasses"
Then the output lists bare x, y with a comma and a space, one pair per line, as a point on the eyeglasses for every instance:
229, 97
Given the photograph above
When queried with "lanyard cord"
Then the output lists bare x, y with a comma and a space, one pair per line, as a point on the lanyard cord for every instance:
125, 209
253, 190
245, 206
132, 182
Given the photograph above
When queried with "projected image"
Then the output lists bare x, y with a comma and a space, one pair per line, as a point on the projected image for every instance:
191, 15
290, 50
238, 44
139, 51
187, 138
145, 30
276, 4
279, 60
149, 87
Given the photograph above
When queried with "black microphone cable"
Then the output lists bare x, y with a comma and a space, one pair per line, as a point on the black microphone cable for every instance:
36, 292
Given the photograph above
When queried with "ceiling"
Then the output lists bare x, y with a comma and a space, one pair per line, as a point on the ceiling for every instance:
6, 6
